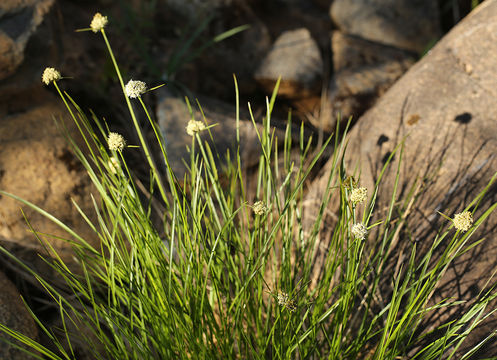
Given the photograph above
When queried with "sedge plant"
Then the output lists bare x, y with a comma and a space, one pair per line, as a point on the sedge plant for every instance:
231, 274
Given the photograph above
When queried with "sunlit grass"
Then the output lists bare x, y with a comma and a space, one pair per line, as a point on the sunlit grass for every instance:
231, 274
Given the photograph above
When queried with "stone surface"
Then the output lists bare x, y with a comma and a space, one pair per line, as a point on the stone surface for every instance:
351, 52
363, 71
295, 57
173, 116
445, 108
37, 165
13, 314
19, 19
406, 24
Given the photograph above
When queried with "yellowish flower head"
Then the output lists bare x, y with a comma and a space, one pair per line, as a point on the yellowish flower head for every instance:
135, 88
285, 301
194, 126
359, 231
98, 23
463, 221
116, 141
50, 74
260, 208
282, 297
358, 195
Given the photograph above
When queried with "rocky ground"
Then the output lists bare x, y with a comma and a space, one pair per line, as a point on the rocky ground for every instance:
388, 64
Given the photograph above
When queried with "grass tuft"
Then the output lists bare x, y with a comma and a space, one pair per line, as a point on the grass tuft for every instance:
227, 273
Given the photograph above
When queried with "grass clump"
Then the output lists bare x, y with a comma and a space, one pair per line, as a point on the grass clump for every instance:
223, 273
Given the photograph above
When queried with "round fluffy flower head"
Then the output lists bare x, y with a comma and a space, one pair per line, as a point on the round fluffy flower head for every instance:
260, 208
116, 141
50, 74
194, 126
359, 231
282, 298
285, 301
359, 195
135, 88
98, 23
463, 221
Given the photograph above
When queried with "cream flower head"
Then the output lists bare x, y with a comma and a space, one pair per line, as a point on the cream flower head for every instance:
260, 208
98, 23
358, 195
116, 141
285, 301
135, 88
50, 74
194, 126
359, 231
463, 221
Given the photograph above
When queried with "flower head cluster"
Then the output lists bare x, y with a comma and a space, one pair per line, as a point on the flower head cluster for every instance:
260, 208
463, 221
135, 89
116, 141
359, 231
98, 23
50, 74
285, 301
194, 126
358, 195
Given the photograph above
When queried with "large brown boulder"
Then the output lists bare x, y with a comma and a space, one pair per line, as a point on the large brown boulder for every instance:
445, 108
36, 164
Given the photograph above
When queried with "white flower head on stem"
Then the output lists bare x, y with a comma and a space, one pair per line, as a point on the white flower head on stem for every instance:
50, 74
135, 89
285, 301
359, 231
116, 141
463, 221
358, 195
98, 23
260, 208
194, 126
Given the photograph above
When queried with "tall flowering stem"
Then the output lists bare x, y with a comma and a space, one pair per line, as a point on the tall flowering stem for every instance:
143, 142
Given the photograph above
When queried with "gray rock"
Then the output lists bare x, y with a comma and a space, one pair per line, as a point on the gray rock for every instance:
351, 52
445, 108
406, 24
19, 19
363, 71
295, 57
173, 116
15, 316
